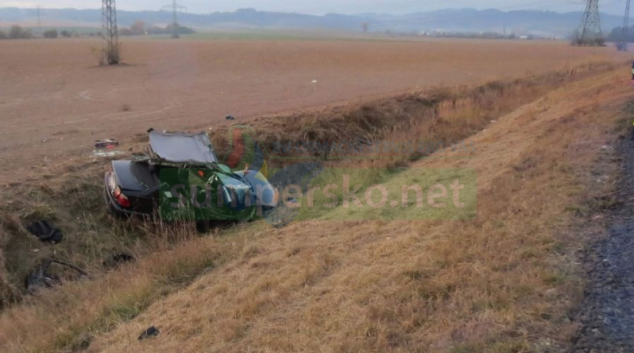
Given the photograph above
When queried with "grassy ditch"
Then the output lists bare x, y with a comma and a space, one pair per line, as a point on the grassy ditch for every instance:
67, 317
503, 282
444, 115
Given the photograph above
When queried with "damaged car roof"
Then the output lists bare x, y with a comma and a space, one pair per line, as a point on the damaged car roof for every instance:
180, 147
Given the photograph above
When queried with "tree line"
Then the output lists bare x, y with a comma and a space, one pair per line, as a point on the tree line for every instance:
138, 28
616, 35
16, 32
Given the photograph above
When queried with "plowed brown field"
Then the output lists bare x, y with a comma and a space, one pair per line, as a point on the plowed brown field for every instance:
55, 101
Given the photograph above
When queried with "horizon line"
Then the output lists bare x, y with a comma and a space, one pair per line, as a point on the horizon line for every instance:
308, 14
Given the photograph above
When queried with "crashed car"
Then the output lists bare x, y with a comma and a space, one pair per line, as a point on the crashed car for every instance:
180, 178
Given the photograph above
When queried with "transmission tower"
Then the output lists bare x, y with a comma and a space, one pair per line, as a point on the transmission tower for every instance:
589, 32
175, 7
110, 32
39, 18
625, 29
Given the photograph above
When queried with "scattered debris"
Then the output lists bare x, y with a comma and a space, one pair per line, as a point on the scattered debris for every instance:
52, 139
139, 156
45, 232
123, 258
551, 293
106, 148
230, 117
603, 179
42, 277
118, 260
107, 143
97, 153
150, 332
606, 148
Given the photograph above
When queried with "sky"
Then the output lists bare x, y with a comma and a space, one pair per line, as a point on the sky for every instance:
330, 6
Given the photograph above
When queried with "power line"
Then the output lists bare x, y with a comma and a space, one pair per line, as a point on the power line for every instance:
39, 18
589, 32
111, 32
626, 18
625, 29
175, 26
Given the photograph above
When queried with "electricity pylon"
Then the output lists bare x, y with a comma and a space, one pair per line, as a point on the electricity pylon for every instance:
39, 19
589, 32
110, 32
175, 8
626, 28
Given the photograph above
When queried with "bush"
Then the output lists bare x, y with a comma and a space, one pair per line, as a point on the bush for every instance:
125, 32
17, 32
50, 33
66, 34
179, 29
3, 35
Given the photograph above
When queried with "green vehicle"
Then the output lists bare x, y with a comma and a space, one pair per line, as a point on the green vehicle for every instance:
180, 178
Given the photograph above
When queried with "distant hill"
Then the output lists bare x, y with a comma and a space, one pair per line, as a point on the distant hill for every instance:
519, 22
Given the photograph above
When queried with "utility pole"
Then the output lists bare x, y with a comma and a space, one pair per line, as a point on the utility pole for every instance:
39, 18
175, 26
589, 32
110, 32
626, 28
174, 19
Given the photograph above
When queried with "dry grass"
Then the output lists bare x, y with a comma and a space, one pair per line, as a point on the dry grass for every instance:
358, 286
66, 319
504, 282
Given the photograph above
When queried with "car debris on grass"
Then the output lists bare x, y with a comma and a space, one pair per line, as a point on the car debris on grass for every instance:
45, 232
43, 276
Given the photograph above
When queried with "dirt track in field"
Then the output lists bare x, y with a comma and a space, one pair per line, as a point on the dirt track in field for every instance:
55, 101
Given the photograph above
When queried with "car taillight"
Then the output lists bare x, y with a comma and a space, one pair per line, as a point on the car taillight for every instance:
122, 200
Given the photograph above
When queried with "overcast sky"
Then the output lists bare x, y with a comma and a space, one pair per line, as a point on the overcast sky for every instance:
325, 6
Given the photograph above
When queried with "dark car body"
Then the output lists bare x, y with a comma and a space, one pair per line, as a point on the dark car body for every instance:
181, 178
